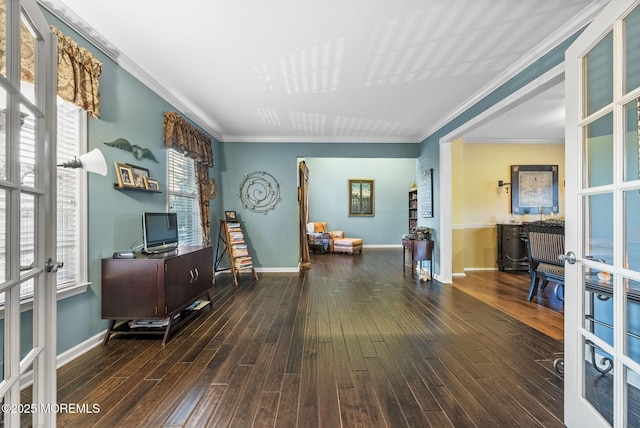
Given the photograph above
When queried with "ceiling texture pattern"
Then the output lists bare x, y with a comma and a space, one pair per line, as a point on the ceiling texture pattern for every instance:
328, 71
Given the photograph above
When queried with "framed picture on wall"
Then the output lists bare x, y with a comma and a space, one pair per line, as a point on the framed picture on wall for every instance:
125, 175
426, 193
361, 197
151, 184
139, 175
534, 189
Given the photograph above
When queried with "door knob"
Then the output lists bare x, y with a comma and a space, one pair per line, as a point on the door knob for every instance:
570, 257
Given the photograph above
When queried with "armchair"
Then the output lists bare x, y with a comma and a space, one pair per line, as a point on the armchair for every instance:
318, 237
545, 242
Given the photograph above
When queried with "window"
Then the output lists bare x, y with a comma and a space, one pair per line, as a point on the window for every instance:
71, 205
183, 197
71, 196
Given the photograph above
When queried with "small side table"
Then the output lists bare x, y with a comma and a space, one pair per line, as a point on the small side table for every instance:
421, 250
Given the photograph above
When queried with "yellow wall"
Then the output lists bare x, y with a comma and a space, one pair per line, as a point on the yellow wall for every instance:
477, 202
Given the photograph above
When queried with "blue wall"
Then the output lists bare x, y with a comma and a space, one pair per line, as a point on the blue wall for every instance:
329, 196
129, 110
273, 237
132, 111
429, 156
430, 159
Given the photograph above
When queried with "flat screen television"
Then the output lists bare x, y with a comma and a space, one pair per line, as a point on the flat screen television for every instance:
160, 232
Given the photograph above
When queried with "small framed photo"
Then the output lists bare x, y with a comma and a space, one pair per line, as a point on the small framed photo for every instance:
139, 175
230, 215
125, 175
151, 184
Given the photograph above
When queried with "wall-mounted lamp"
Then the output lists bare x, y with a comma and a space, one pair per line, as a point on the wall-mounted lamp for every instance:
502, 184
91, 162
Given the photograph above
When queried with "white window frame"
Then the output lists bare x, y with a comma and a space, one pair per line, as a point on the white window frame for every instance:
81, 283
198, 233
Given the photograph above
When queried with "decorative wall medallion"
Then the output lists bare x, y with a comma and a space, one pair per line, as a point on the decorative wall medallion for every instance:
259, 192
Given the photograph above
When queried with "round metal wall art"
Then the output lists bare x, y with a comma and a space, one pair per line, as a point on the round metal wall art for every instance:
259, 192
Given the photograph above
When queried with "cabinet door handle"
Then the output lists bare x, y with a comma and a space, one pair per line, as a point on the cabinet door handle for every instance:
197, 274
192, 277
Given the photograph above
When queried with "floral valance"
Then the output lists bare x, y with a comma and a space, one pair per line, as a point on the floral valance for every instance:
27, 48
182, 136
78, 75
78, 70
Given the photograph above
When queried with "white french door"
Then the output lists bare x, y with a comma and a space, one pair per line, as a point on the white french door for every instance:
27, 213
602, 306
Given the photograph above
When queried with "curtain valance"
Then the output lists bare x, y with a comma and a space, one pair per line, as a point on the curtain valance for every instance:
78, 70
182, 136
78, 75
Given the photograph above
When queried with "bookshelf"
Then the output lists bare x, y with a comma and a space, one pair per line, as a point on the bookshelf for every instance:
232, 243
413, 209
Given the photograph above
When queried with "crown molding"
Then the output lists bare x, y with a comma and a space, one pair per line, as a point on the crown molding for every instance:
324, 140
513, 141
69, 17
570, 28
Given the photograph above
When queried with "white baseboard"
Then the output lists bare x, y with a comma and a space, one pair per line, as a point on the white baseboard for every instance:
81, 348
66, 357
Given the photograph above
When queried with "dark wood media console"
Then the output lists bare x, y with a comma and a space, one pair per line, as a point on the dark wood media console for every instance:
155, 287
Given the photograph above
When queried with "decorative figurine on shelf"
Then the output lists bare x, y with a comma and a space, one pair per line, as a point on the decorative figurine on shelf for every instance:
414, 186
138, 152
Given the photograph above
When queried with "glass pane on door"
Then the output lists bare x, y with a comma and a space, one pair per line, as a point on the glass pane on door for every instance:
28, 149
3, 236
3, 38
632, 50
27, 232
598, 303
3, 134
598, 152
599, 75
598, 227
2, 341
28, 58
599, 379
631, 230
633, 398
633, 319
631, 149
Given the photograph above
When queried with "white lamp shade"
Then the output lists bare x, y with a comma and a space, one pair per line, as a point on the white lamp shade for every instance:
94, 162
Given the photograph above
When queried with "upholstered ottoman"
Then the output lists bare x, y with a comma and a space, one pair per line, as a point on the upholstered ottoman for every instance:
347, 245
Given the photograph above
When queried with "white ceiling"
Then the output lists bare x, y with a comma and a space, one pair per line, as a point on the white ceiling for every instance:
538, 119
333, 70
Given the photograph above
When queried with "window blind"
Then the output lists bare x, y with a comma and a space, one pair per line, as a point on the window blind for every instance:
69, 245
183, 197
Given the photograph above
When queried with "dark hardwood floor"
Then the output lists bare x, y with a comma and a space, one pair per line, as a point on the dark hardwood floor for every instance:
352, 342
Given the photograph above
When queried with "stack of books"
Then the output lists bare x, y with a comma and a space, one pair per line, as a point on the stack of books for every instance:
242, 262
236, 238
239, 250
234, 227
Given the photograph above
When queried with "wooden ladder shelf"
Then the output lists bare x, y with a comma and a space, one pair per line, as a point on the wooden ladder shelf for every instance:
231, 242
